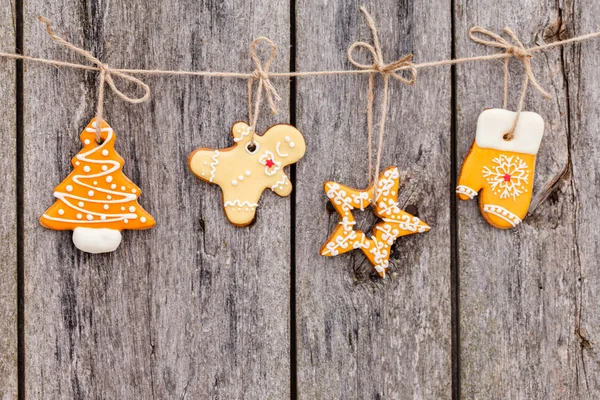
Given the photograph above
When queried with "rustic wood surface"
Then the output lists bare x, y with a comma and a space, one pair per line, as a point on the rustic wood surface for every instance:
197, 308
359, 336
194, 308
8, 211
525, 294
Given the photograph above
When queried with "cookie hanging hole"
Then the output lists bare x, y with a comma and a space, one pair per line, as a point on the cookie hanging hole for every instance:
251, 147
507, 137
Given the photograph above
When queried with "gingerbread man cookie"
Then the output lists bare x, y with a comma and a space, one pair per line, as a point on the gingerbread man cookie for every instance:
97, 201
246, 169
395, 222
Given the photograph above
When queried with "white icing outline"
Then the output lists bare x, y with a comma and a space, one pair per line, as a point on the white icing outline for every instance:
213, 165
467, 191
240, 203
255, 149
280, 182
509, 217
243, 133
278, 152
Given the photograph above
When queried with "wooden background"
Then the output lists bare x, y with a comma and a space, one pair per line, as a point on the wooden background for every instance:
197, 308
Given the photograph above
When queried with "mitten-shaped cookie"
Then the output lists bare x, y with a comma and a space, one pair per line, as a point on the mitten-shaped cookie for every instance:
246, 169
500, 169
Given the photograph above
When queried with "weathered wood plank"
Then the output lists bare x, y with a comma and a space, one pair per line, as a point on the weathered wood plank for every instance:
518, 288
583, 76
194, 308
359, 336
8, 210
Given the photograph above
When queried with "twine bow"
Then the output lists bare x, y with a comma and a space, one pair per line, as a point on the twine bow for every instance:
518, 51
106, 74
261, 73
387, 71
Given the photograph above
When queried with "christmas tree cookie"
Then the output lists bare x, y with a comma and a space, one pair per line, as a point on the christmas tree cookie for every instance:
97, 201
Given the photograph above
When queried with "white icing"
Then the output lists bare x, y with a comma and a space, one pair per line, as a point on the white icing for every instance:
131, 209
279, 152
248, 173
292, 145
87, 168
93, 240
239, 203
109, 179
503, 213
61, 212
86, 141
467, 191
213, 165
287, 139
69, 199
494, 123
283, 181
256, 147
242, 134
104, 152
234, 182
143, 220
241, 177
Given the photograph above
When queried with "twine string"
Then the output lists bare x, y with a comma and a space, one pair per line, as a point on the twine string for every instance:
105, 77
387, 71
261, 74
518, 51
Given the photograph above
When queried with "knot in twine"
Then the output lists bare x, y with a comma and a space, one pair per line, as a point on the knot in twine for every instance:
106, 74
261, 74
387, 71
518, 51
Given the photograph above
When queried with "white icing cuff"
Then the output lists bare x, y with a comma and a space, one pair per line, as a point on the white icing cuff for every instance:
502, 213
467, 191
96, 240
494, 123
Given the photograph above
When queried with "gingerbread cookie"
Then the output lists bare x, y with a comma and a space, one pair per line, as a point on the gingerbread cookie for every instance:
395, 222
502, 170
97, 201
245, 170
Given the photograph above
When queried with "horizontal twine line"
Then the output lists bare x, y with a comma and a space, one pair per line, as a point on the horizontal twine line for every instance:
239, 75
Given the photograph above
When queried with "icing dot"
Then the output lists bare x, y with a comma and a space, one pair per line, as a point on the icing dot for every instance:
95, 183
248, 173
143, 220
87, 168
69, 188
90, 217
77, 163
106, 206
113, 186
122, 208
91, 193
86, 141
61, 212
81, 204
109, 179
79, 216
104, 152
246, 208
126, 220
205, 163
241, 177
108, 196
132, 209
203, 174
122, 187
104, 168
292, 145
280, 187
239, 208
103, 217
287, 139
234, 182
133, 190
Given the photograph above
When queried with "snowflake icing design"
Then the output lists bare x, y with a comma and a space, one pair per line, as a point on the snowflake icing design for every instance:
508, 176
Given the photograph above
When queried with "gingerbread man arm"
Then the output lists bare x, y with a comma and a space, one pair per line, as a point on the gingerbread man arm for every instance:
281, 184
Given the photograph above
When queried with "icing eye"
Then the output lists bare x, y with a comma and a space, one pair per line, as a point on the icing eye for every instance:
287, 139
292, 144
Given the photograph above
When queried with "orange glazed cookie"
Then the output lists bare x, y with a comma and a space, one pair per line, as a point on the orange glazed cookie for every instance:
244, 171
395, 222
97, 200
502, 170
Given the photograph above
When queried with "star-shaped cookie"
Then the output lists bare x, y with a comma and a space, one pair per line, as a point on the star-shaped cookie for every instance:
394, 221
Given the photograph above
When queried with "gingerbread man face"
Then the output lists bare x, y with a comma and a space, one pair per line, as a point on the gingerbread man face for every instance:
244, 171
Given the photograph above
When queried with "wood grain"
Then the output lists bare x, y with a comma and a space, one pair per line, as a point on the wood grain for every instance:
359, 336
194, 308
8, 209
520, 290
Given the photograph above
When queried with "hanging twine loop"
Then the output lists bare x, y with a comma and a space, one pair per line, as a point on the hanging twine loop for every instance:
515, 50
106, 74
386, 70
261, 74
